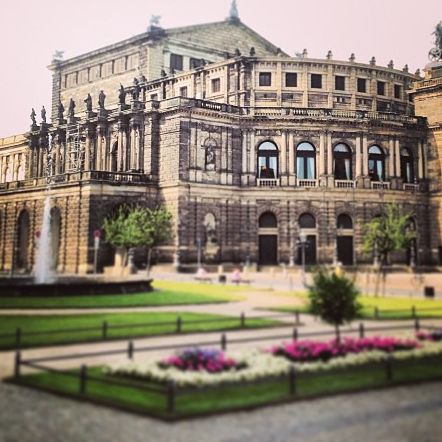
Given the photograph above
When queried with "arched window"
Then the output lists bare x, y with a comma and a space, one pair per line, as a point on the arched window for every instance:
20, 173
268, 220
114, 157
344, 222
342, 162
267, 160
306, 161
8, 175
407, 169
376, 163
307, 221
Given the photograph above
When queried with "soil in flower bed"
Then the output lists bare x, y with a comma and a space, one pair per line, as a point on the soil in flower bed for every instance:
232, 397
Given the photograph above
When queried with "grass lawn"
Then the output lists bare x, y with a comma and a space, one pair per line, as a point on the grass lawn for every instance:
203, 401
388, 307
92, 323
165, 293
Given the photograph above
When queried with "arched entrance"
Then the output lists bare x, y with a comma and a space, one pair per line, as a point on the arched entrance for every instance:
55, 236
22, 241
344, 240
268, 239
307, 224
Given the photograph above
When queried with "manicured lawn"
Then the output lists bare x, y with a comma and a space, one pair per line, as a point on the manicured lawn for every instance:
92, 325
165, 293
202, 401
388, 307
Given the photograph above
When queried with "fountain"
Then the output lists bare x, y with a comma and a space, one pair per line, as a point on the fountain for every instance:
43, 259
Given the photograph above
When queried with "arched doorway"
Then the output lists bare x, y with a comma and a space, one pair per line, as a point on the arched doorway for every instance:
55, 227
268, 239
22, 241
344, 239
307, 224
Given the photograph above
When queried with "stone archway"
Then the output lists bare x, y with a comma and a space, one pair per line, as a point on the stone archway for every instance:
268, 239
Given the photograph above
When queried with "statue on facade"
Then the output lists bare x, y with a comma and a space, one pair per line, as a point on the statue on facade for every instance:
122, 96
71, 108
88, 101
136, 90
435, 53
233, 13
101, 98
43, 115
60, 111
252, 51
33, 114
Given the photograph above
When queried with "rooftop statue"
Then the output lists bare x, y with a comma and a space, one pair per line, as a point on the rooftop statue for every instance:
122, 95
71, 108
101, 98
60, 110
88, 101
155, 20
435, 53
43, 114
33, 116
233, 14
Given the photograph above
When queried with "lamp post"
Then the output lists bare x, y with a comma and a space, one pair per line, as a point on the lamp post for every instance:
97, 236
302, 243
198, 245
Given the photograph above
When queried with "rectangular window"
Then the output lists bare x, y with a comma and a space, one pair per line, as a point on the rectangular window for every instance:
183, 91
265, 79
176, 62
195, 63
316, 81
381, 87
291, 79
216, 85
362, 85
397, 91
154, 97
339, 83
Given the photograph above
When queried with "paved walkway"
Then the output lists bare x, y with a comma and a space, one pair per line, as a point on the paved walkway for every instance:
402, 414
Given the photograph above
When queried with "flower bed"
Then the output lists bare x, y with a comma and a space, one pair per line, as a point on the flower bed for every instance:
311, 351
435, 335
254, 365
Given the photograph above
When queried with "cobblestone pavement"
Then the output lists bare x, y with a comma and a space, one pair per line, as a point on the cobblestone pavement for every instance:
402, 414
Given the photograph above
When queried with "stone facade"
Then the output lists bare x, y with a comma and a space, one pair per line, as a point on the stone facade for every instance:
247, 150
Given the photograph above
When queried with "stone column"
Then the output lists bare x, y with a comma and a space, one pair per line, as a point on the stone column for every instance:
321, 154
364, 155
244, 156
420, 159
291, 166
397, 157
391, 168
283, 159
100, 147
329, 155
358, 162
252, 164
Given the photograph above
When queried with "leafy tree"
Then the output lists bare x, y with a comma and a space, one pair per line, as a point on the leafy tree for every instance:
387, 233
333, 298
138, 226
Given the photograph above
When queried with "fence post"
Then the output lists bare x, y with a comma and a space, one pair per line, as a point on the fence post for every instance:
243, 320
17, 337
179, 323
223, 341
292, 381
338, 334
361, 330
296, 317
17, 364
104, 327
388, 368
171, 396
295, 334
413, 312
83, 378
417, 325
376, 313
130, 350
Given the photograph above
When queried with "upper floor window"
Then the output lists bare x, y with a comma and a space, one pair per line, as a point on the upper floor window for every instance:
306, 161
183, 91
342, 162
376, 163
268, 220
265, 79
216, 85
267, 160
344, 222
307, 221
291, 79
339, 83
195, 63
176, 62
381, 87
316, 81
362, 85
397, 91
407, 169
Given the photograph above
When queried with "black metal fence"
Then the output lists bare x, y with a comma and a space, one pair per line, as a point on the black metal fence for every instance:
170, 391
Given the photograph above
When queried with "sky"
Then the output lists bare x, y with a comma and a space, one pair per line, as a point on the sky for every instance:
31, 30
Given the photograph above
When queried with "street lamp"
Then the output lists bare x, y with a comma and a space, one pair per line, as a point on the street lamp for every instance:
302, 243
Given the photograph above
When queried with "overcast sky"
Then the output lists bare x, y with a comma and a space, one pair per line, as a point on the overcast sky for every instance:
31, 30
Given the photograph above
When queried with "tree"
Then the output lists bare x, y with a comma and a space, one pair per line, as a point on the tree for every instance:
333, 298
387, 233
138, 226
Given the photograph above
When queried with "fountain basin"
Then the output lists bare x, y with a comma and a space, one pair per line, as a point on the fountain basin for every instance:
71, 287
